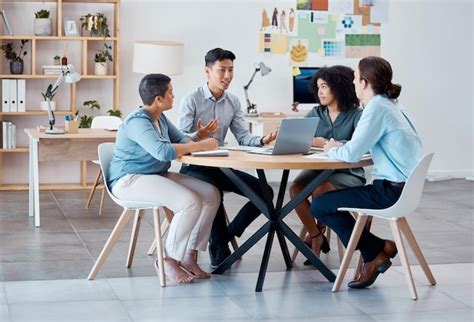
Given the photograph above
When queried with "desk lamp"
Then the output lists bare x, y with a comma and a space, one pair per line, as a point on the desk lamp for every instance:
264, 70
70, 76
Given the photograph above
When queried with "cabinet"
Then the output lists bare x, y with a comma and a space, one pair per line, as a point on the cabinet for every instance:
81, 47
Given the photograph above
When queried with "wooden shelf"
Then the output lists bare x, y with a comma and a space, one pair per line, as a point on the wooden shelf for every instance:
30, 37
38, 47
41, 76
35, 113
19, 149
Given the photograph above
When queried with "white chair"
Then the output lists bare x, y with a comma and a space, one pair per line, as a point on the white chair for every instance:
101, 122
396, 214
129, 207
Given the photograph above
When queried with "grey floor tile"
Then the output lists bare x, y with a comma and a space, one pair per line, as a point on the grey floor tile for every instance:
59, 291
47, 270
148, 288
4, 313
67, 311
189, 308
463, 315
277, 305
3, 296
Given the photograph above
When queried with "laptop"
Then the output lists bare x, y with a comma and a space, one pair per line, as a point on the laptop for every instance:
294, 136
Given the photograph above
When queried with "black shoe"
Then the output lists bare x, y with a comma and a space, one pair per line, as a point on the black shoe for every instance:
218, 254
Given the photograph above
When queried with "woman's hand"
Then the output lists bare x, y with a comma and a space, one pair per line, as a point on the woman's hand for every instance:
208, 144
207, 131
332, 144
319, 142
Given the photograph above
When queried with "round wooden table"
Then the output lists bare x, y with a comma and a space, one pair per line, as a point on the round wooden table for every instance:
274, 212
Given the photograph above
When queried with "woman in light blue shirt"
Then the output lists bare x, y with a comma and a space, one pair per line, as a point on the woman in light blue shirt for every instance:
385, 130
146, 144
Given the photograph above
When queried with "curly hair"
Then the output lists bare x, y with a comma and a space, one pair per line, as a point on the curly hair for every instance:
340, 81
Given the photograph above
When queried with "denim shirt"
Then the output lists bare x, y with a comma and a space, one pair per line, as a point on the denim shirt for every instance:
391, 137
201, 104
142, 148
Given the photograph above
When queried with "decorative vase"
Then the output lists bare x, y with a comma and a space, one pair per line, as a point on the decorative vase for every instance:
16, 67
44, 105
43, 27
100, 69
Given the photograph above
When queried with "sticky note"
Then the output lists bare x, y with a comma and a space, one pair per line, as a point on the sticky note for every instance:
296, 71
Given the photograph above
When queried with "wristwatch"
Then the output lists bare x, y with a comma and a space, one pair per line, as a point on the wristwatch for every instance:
261, 141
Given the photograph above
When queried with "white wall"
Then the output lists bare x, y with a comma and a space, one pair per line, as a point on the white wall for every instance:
429, 43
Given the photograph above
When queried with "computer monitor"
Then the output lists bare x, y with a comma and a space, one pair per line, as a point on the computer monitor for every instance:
301, 91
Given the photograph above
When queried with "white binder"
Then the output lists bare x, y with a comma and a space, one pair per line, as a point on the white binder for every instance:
5, 95
13, 94
21, 95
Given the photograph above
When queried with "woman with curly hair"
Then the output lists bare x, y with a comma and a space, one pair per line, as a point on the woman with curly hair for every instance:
339, 113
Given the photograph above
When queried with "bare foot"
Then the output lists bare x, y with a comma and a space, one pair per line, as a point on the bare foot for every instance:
189, 265
174, 272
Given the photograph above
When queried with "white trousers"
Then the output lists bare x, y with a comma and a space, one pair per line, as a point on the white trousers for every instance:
194, 203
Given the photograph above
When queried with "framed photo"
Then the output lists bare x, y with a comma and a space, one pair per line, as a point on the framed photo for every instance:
70, 27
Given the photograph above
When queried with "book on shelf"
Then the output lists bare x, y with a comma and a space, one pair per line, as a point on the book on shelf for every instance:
53, 69
13, 95
8, 135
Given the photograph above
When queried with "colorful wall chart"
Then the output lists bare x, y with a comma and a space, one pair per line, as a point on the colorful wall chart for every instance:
326, 28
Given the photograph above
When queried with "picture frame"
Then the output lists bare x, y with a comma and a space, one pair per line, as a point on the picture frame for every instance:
70, 28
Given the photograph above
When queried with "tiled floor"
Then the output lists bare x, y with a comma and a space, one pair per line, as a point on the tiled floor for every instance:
43, 271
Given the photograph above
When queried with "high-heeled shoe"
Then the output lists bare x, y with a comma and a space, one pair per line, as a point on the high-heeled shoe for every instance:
324, 245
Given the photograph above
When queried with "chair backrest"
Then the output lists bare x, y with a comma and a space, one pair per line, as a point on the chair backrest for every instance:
106, 151
412, 191
106, 122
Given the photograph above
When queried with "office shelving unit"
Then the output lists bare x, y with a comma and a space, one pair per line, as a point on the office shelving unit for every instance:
31, 60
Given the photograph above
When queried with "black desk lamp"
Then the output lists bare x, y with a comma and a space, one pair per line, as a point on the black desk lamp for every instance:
264, 70
70, 76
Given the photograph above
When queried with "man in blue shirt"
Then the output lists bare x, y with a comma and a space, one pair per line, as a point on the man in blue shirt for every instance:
386, 131
212, 105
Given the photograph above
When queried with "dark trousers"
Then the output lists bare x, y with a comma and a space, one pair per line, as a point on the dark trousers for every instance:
220, 233
378, 195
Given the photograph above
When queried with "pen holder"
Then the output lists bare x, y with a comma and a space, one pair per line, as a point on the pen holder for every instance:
72, 127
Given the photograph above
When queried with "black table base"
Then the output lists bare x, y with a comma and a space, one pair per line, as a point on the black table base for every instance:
275, 225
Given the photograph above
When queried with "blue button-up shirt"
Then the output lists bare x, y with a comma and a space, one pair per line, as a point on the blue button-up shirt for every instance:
201, 104
388, 133
142, 148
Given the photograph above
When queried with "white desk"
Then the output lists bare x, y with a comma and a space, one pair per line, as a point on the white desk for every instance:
60, 147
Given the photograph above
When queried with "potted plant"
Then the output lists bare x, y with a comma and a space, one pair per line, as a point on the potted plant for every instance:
16, 60
49, 93
85, 120
95, 24
100, 60
43, 24
57, 60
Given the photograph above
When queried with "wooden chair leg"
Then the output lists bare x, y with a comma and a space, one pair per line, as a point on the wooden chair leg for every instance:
405, 228
157, 225
403, 257
114, 236
133, 239
164, 228
356, 233
302, 235
96, 183
101, 207
233, 241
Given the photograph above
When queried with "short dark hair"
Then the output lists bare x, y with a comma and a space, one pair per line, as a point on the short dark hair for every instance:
340, 81
217, 54
378, 73
151, 86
